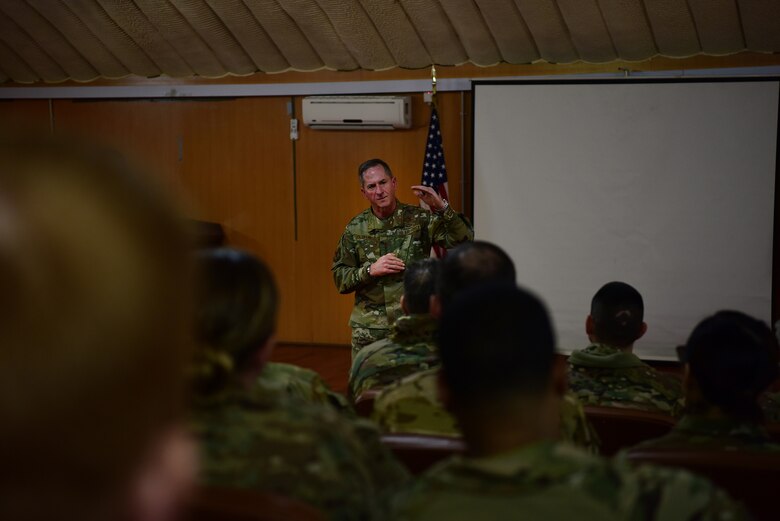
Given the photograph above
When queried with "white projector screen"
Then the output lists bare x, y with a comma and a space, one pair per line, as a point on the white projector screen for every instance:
666, 185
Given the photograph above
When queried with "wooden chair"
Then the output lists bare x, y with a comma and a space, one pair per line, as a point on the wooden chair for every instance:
364, 404
232, 504
418, 452
751, 477
620, 428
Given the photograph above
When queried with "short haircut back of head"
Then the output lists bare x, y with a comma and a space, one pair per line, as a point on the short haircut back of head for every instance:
495, 341
617, 310
471, 264
419, 284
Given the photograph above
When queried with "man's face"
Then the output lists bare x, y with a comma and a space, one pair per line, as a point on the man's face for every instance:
378, 188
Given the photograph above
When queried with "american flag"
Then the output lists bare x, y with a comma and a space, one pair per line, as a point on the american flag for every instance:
434, 172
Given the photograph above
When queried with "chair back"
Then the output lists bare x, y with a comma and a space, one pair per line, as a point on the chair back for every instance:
232, 504
364, 403
418, 452
620, 428
750, 477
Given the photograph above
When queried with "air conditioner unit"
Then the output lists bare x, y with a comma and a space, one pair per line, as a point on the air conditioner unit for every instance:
357, 112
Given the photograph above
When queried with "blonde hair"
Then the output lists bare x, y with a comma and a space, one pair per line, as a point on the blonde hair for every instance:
93, 325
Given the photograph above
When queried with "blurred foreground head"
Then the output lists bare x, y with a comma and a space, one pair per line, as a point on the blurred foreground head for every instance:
496, 343
93, 342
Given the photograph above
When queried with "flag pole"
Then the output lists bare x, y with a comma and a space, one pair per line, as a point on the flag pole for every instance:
433, 85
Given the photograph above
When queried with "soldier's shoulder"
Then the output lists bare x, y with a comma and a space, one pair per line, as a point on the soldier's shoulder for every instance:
359, 221
422, 383
282, 372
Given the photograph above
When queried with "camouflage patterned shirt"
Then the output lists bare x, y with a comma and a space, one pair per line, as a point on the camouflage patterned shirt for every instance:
409, 232
557, 481
301, 383
275, 443
409, 348
412, 405
697, 431
607, 376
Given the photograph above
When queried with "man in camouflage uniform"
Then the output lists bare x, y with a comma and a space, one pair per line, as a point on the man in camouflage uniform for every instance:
378, 243
412, 404
607, 372
730, 359
410, 347
501, 381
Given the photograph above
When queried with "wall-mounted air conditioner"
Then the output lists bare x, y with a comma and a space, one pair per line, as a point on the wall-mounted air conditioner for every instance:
357, 112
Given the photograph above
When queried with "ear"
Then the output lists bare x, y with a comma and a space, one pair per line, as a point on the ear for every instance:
642, 330
434, 306
363, 191
590, 326
166, 478
403, 305
443, 391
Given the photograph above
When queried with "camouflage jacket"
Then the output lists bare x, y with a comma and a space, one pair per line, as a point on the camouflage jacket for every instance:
275, 443
301, 383
412, 405
557, 481
696, 431
408, 349
409, 233
607, 376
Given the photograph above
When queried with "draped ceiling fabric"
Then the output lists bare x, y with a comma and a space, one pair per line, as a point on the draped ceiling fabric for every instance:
56, 40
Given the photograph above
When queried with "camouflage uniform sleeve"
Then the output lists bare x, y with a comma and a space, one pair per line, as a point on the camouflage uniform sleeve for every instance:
388, 474
348, 271
575, 426
449, 228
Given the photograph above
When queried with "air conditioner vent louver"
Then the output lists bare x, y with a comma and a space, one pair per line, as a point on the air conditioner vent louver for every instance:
357, 112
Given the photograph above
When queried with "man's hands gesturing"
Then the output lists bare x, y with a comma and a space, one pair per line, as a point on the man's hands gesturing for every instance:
386, 265
430, 197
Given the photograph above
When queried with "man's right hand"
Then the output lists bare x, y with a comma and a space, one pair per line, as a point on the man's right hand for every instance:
386, 265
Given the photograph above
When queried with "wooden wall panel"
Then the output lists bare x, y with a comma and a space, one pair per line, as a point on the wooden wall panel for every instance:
329, 196
230, 160
145, 131
237, 169
26, 115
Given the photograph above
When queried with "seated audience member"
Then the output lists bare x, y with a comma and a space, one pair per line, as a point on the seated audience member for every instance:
93, 339
607, 372
412, 404
730, 359
409, 346
500, 380
253, 437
